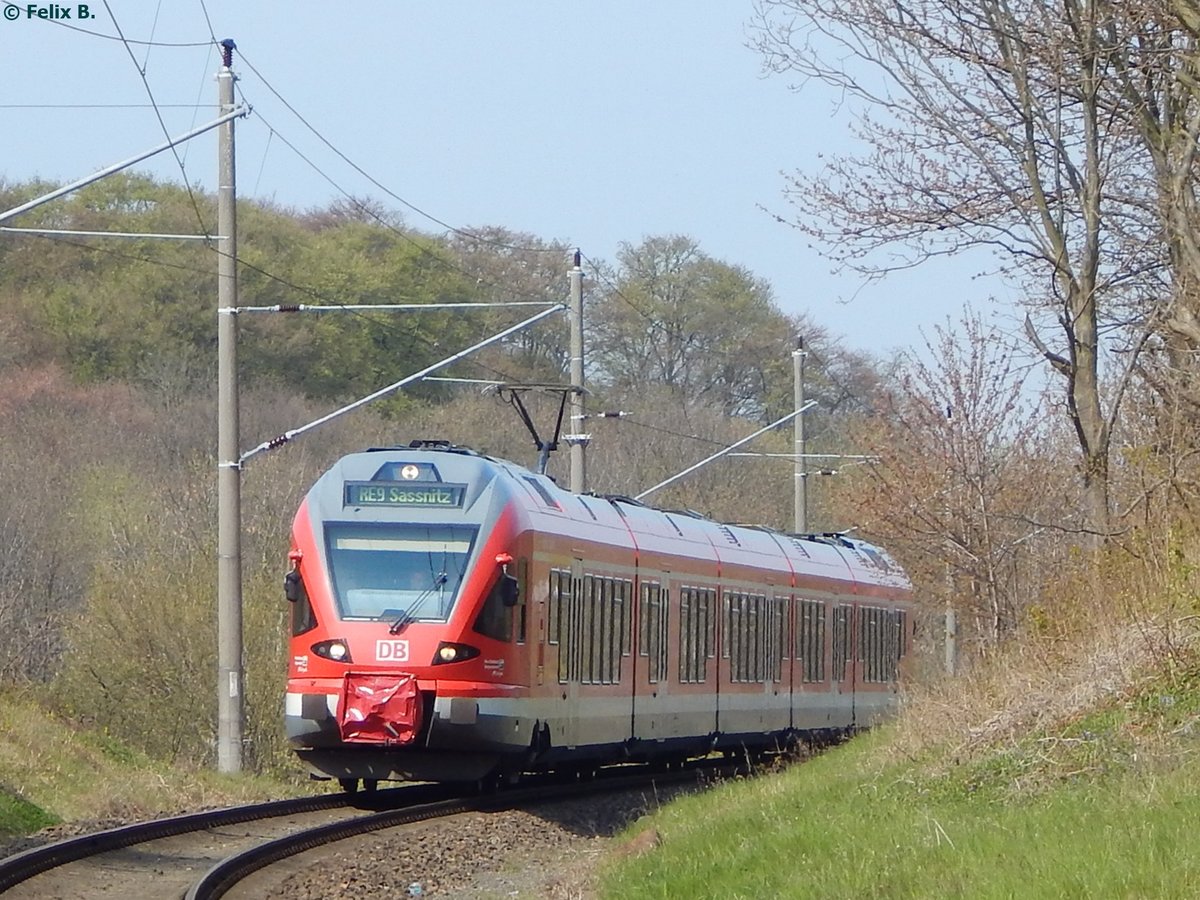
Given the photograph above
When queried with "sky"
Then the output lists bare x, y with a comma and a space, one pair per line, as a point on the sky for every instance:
595, 124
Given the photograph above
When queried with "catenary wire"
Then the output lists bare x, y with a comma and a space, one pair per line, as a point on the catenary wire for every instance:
363, 208
113, 37
432, 218
158, 114
399, 332
153, 29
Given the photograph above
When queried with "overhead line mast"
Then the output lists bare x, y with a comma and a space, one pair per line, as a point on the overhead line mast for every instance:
230, 670
577, 440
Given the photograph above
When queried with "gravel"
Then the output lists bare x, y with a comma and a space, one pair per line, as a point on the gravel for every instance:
549, 851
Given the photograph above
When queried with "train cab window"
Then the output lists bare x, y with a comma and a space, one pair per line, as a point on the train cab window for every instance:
303, 617
386, 570
495, 619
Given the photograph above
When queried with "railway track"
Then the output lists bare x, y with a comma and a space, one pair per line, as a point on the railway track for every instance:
206, 855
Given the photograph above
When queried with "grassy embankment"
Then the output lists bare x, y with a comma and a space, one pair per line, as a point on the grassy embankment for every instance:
51, 772
1063, 776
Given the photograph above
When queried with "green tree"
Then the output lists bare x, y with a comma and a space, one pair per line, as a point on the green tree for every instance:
675, 317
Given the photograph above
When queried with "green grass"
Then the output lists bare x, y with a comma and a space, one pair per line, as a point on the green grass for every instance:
19, 816
835, 828
52, 771
1108, 805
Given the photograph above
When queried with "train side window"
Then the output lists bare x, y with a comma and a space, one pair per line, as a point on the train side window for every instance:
810, 644
802, 648
612, 632
727, 606
879, 643
901, 636
625, 590
866, 642
733, 621
686, 632
776, 639
710, 625
601, 622
757, 638
590, 638
563, 622
644, 619
841, 641
303, 617
653, 633
748, 623
695, 633
664, 617
693, 640
559, 581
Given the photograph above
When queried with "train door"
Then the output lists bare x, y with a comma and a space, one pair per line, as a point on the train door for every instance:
814, 687
651, 647
574, 651
844, 664
778, 706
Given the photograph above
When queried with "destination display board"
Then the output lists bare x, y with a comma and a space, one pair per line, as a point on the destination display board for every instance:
405, 493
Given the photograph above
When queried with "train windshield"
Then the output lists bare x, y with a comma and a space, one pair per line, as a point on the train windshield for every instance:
389, 571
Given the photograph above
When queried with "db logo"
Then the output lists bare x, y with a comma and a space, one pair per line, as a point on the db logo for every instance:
391, 651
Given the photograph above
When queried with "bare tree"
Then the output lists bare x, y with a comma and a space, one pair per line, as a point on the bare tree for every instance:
960, 487
990, 124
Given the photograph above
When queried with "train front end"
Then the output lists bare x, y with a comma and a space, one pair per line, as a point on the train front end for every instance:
405, 598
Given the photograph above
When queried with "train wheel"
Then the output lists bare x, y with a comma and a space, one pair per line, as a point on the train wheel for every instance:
349, 785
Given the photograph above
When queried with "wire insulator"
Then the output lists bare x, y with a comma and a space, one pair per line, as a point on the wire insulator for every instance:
277, 442
227, 48
290, 307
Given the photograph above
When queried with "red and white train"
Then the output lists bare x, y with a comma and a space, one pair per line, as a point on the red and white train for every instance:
456, 617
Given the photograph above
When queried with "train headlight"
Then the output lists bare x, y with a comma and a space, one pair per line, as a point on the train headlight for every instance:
337, 650
448, 652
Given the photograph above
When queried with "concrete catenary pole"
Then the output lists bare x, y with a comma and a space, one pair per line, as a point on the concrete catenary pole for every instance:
577, 440
800, 500
229, 487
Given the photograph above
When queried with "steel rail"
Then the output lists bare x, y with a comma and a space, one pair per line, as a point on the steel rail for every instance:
25, 865
226, 874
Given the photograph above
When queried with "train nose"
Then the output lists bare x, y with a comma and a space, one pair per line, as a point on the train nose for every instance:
380, 709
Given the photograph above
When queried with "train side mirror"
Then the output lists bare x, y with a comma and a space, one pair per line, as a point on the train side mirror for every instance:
510, 590
291, 585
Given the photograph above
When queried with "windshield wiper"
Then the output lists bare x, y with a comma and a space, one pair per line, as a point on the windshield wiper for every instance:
407, 617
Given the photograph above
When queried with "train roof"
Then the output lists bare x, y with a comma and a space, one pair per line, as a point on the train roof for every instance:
549, 508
